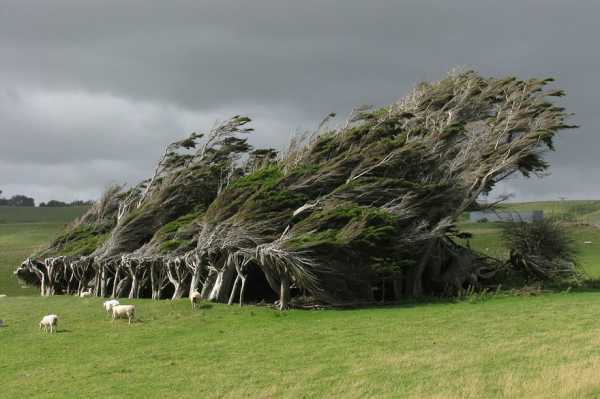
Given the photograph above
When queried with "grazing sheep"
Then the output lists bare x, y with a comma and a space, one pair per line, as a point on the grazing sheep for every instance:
49, 321
120, 311
2, 295
86, 294
194, 298
108, 305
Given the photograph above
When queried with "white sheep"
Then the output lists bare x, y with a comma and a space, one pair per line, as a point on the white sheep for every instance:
49, 321
120, 311
108, 305
86, 294
2, 295
194, 299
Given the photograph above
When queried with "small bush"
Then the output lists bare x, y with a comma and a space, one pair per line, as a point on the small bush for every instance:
541, 250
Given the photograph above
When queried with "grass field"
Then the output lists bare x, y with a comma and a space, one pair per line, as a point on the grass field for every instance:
585, 216
499, 346
535, 347
22, 231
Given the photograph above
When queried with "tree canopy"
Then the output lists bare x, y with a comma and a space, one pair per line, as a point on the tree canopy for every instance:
364, 210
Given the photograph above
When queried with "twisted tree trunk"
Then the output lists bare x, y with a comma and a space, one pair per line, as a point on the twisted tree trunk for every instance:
209, 283
284, 292
233, 290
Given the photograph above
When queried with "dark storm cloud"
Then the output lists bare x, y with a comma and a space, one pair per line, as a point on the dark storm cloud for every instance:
87, 85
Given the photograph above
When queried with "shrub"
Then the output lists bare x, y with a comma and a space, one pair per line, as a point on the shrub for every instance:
541, 250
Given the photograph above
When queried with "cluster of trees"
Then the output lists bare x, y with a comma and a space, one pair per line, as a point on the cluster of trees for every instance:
59, 204
17, 200
360, 212
23, 200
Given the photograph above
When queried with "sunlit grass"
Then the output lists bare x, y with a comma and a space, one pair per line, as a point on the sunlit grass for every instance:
545, 346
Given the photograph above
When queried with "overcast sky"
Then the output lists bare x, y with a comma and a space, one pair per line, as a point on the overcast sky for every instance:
90, 92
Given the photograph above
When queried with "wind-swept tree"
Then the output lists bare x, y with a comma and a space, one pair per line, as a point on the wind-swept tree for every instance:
369, 207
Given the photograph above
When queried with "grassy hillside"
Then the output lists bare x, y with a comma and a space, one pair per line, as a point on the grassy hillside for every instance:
22, 232
539, 347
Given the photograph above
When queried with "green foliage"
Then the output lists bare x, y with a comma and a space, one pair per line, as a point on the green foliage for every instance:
541, 249
265, 178
175, 244
385, 186
366, 232
81, 241
169, 229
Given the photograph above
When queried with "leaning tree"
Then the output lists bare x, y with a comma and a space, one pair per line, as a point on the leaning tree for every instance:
363, 211
381, 194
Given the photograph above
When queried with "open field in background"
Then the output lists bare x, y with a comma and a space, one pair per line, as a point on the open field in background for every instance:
514, 347
585, 215
22, 232
59, 216
586, 211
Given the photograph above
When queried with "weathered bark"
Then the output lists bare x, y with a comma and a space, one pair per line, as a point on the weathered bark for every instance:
242, 288
71, 276
50, 264
209, 283
177, 273
121, 287
221, 286
178, 292
194, 282
134, 286
40, 274
284, 295
143, 281
158, 279
116, 282
233, 290
79, 287
103, 280
214, 292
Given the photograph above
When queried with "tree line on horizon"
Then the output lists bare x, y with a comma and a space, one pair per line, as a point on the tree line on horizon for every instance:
20, 200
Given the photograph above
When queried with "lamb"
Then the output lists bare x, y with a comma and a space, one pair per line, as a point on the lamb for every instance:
108, 305
49, 321
194, 299
120, 311
86, 294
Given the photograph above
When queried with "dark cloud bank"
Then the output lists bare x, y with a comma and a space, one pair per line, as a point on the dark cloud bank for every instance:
90, 92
